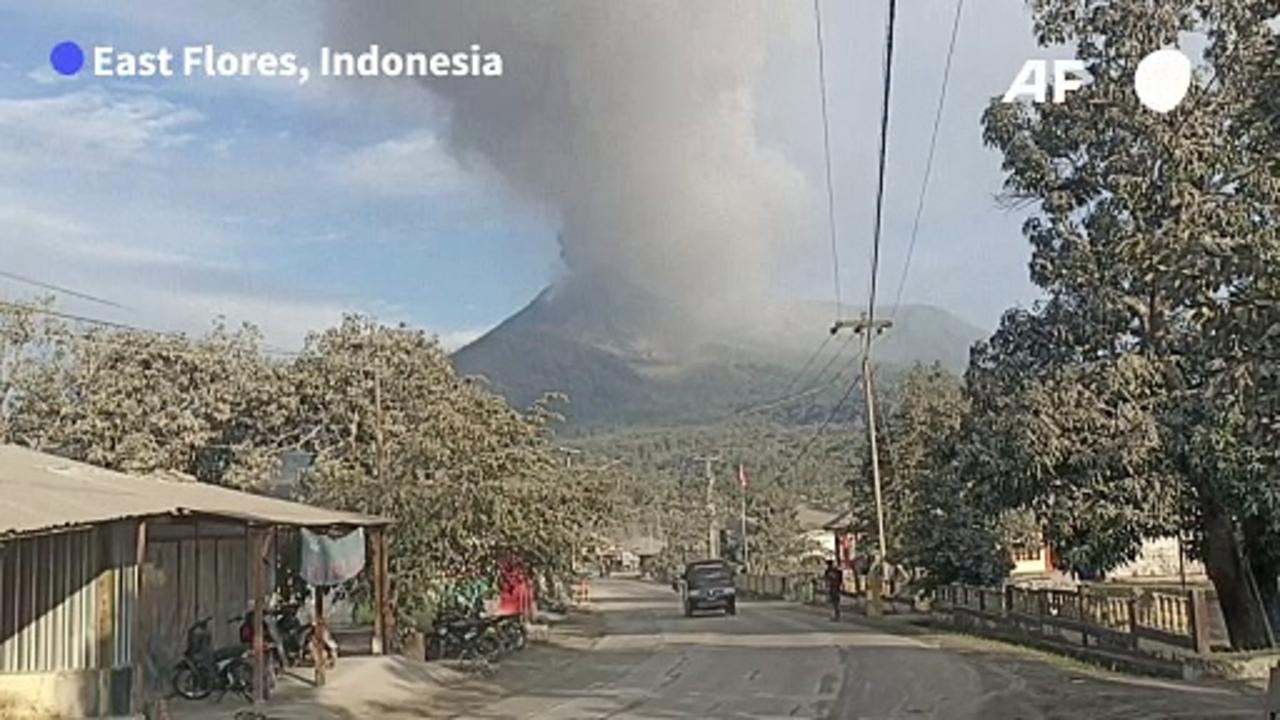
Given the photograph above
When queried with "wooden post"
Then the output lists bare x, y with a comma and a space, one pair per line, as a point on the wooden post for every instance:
319, 632
138, 644
258, 541
376, 566
384, 593
104, 611
1198, 620
1132, 603
1081, 616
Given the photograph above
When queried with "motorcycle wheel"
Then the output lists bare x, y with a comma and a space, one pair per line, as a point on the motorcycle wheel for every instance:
188, 683
306, 653
240, 677
436, 648
485, 647
519, 637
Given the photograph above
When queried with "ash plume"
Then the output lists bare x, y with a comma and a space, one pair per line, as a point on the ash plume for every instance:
633, 122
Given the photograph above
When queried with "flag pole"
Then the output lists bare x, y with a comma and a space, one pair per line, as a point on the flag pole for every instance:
742, 481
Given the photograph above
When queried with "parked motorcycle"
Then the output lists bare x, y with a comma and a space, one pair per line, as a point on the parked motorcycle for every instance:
455, 637
204, 669
297, 639
271, 646
511, 632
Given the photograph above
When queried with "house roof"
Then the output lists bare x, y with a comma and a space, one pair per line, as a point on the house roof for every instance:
643, 545
812, 518
41, 492
843, 521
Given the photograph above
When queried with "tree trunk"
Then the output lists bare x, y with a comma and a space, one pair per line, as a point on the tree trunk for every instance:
1264, 569
1246, 623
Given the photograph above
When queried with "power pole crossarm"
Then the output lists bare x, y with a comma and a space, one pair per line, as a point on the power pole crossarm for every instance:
862, 325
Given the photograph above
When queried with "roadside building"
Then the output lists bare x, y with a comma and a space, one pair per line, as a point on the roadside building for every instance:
819, 541
102, 572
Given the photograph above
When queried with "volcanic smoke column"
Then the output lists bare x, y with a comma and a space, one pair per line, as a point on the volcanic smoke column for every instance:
633, 120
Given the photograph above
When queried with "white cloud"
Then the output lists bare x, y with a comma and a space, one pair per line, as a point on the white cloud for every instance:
453, 339
93, 125
284, 321
25, 219
412, 164
45, 75
120, 241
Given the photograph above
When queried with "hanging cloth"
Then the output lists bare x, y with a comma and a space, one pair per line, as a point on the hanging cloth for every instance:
328, 561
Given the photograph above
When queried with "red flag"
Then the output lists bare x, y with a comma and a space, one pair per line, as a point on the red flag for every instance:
742, 477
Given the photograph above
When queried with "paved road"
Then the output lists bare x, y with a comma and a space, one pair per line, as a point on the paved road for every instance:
644, 659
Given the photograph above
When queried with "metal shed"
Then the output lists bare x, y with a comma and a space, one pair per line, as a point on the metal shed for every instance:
101, 572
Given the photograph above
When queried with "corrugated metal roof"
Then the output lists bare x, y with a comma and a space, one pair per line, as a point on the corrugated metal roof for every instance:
40, 492
812, 518
843, 521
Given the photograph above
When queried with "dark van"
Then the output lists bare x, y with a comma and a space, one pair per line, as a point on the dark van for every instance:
708, 585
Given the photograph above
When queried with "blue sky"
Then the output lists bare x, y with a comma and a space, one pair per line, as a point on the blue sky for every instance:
285, 205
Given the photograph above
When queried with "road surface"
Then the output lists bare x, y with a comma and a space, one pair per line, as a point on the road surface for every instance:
641, 658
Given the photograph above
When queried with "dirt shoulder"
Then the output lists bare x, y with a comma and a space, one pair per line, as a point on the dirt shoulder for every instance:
1023, 682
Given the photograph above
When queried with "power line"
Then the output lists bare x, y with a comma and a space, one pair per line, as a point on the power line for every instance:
812, 388
826, 422
267, 349
826, 151
817, 379
884, 152
814, 356
58, 288
70, 316
928, 165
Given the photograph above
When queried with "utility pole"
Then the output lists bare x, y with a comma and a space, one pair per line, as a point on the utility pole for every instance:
712, 550
568, 453
746, 561
870, 329
380, 457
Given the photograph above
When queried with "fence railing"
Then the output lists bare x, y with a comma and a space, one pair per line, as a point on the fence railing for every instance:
797, 587
1179, 619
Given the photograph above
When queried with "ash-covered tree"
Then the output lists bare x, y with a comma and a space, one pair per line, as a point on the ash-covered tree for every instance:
940, 516
469, 480
391, 429
29, 339
139, 401
1155, 239
775, 540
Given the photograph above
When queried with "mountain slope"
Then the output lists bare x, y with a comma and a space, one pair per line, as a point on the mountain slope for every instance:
620, 367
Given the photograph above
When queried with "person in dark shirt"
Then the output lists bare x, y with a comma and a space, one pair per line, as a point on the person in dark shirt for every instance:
834, 580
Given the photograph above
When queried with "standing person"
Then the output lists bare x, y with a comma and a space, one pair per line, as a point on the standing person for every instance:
834, 579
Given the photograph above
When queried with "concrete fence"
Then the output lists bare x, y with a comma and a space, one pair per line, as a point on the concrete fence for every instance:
1149, 622
795, 587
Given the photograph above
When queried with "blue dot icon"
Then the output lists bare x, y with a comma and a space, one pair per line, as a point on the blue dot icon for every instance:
67, 58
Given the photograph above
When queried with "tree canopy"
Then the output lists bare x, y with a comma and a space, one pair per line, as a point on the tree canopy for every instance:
1137, 398
390, 430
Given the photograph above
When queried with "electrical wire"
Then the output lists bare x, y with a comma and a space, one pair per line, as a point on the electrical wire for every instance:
826, 151
884, 153
23, 307
814, 386
68, 316
807, 363
928, 164
58, 288
826, 422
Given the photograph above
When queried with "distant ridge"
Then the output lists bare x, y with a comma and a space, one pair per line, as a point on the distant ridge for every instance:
623, 368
